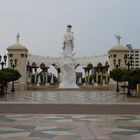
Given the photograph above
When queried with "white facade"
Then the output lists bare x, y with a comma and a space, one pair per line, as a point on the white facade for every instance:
83, 61
135, 53
116, 56
19, 52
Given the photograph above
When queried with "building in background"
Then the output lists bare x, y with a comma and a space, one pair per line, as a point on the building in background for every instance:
39, 70
135, 53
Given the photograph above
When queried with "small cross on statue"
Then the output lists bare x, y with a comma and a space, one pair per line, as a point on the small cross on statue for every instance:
118, 38
18, 36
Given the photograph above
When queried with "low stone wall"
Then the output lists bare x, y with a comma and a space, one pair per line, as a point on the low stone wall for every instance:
83, 87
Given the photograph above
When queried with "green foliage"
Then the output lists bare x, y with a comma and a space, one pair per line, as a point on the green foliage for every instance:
132, 76
118, 73
136, 76
8, 75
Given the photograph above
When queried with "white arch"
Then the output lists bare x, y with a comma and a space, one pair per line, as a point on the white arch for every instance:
80, 69
52, 70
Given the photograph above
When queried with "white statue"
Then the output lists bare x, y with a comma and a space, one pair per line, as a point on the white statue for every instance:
68, 42
68, 76
118, 37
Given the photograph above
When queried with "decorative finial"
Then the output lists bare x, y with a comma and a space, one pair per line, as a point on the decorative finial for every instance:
18, 36
118, 38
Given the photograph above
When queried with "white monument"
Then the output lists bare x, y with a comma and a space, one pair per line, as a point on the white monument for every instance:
68, 74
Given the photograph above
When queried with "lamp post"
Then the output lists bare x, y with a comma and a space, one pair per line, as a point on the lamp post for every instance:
129, 63
13, 65
116, 65
2, 63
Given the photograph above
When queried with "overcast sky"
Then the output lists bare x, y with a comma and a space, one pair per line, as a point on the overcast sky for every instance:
42, 24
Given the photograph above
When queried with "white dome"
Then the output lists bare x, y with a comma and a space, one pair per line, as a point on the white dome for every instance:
17, 47
118, 47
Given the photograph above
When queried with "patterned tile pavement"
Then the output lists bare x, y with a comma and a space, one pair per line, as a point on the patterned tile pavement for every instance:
69, 127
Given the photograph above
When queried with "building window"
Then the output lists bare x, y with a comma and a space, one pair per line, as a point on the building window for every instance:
10, 55
22, 55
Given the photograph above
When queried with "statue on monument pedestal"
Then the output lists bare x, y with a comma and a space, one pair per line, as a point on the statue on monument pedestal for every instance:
68, 76
118, 37
68, 42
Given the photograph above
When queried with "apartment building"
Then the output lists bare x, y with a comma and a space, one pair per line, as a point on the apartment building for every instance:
135, 53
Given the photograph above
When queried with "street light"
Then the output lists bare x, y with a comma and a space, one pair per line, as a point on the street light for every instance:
2, 63
128, 62
116, 65
13, 65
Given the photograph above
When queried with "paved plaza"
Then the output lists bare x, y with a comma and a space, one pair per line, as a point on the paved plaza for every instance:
69, 97
69, 127
50, 126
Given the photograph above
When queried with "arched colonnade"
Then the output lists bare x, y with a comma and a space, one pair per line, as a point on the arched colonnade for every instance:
41, 74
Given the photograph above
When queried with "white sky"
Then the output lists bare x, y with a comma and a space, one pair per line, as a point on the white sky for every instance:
42, 24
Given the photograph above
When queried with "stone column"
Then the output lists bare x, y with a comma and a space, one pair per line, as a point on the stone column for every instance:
93, 81
46, 75
30, 76
101, 74
88, 76
28, 79
96, 77
39, 80
46, 78
35, 70
52, 81
58, 72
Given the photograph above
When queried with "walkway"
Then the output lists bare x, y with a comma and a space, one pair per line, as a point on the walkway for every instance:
70, 109
60, 115
68, 97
